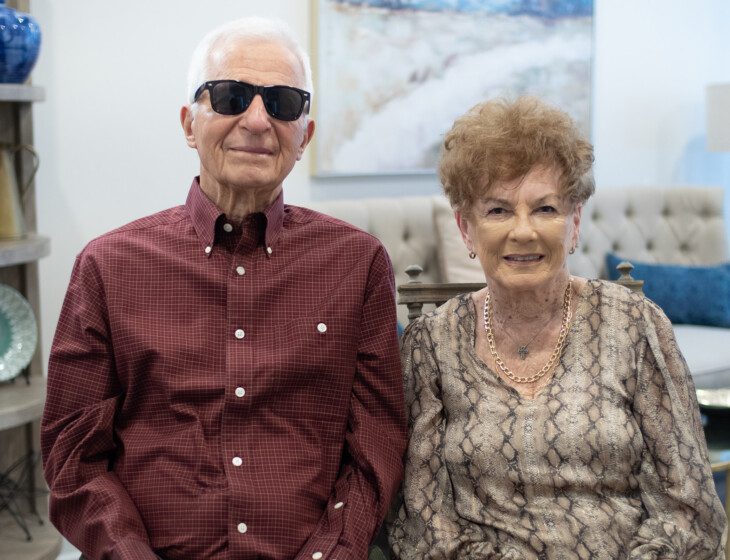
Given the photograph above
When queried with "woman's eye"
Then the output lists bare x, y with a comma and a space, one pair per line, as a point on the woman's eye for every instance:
547, 209
495, 211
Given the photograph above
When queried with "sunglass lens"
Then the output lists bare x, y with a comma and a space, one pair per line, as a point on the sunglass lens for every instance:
284, 103
229, 98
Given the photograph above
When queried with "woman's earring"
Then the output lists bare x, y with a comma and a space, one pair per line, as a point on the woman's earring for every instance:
472, 255
573, 248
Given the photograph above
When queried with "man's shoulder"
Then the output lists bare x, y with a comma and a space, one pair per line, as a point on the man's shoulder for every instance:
299, 216
137, 229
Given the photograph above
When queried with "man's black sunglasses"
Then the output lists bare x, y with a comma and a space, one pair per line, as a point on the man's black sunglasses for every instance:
231, 97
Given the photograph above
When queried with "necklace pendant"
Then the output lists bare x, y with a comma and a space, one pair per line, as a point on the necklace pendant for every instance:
523, 352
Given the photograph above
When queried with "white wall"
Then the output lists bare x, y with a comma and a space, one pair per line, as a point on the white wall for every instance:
112, 150
652, 62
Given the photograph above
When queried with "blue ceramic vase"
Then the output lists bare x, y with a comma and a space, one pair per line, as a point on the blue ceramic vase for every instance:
20, 41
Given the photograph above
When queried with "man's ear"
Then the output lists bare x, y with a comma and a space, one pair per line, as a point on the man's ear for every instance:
186, 120
308, 133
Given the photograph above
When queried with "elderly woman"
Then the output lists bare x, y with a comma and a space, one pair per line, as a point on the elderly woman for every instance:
551, 416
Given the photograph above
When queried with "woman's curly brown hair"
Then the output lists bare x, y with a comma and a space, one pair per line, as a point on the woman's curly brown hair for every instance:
502, 140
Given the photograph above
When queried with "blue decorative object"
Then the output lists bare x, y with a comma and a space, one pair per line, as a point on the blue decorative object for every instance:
20, 41
693, 295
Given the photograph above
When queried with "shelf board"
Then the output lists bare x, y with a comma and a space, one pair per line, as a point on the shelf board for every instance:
21, 403
46, 543
21, 92
28, 249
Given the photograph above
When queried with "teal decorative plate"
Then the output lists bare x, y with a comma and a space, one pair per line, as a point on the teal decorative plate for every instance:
18, 333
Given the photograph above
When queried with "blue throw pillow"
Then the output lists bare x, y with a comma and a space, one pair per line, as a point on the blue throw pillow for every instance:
695, 295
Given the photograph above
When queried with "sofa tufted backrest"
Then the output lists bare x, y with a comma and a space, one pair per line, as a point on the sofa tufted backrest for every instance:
667, 225
404, 226
682, 225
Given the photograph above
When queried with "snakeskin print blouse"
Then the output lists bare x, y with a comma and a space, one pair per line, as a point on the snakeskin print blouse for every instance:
608, 461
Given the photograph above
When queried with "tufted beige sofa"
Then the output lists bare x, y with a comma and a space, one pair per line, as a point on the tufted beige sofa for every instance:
681, 225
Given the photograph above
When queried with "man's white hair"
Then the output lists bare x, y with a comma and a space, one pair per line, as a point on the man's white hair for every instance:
225, 38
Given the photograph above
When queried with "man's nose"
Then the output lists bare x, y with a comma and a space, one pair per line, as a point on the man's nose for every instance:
255, 118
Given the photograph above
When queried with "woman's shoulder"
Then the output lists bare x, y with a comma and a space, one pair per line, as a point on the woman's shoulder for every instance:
610, 295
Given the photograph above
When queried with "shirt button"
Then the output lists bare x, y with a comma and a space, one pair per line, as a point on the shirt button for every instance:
239, 334
322, 328
240, 270
237, 461
338, 505
228, 228
316, 556
208, 249
242, 528
269, 250
240, 391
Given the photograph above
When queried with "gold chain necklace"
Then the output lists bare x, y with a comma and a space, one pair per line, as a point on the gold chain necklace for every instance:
556, 351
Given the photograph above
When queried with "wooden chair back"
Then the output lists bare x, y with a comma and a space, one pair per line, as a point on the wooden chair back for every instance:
414, 294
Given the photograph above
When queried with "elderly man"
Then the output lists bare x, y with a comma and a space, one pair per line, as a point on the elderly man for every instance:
225, 380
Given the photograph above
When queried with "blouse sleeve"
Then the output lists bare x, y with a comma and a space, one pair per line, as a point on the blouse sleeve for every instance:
685, 519
426, 525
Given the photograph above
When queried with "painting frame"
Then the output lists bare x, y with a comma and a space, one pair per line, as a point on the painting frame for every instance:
360, 134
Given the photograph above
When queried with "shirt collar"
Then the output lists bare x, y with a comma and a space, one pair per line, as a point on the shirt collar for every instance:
204, 216
274, 221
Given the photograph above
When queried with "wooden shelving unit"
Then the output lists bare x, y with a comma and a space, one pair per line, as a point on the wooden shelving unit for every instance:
21, 402
21, 405
22, 251
21, 92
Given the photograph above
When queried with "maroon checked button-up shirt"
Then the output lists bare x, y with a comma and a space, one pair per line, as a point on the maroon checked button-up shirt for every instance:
223, 390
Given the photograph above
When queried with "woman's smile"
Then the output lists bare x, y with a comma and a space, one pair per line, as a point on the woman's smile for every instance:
523, 259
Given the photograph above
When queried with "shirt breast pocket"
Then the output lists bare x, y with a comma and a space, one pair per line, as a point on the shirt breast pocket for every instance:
318, 353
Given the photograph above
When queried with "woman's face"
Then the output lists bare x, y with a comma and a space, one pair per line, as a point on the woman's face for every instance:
522, 231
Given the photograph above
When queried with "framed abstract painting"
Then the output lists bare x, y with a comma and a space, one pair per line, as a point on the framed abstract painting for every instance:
392, 75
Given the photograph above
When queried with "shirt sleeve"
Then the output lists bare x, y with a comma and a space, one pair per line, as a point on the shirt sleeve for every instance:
88, 504
372, 464
426, 525
685, 517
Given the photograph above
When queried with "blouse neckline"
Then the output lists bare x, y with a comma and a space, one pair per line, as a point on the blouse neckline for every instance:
470, 325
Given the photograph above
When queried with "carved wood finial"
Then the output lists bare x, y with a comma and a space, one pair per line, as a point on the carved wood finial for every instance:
625, 268
414, 272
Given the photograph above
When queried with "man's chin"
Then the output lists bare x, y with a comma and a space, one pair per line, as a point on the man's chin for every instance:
253, 180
